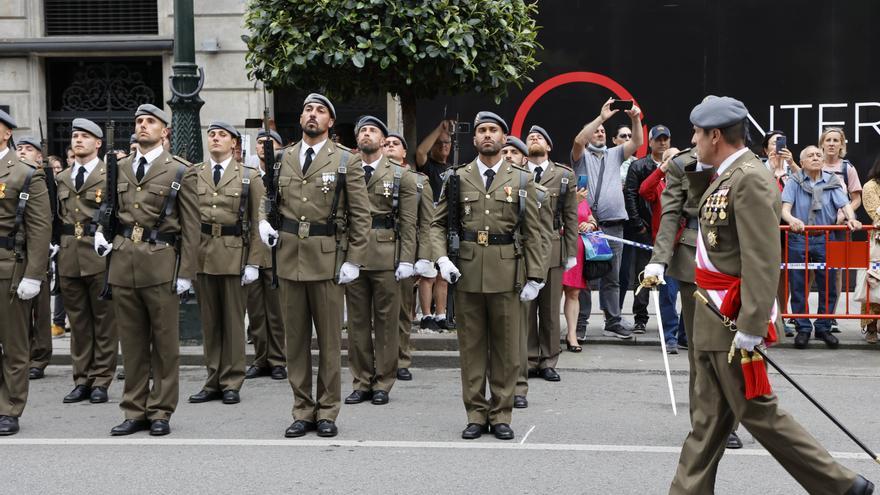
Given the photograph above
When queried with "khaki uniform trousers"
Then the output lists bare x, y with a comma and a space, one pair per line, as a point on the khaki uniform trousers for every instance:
404, 325
148, 321
719, 393
93, 340
14, 351
522, 378
41, 328
302, 304
221, 306
373, 309
266, 323
489, 346
543, 326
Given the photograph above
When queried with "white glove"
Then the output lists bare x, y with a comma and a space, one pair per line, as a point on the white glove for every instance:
53, 250
570, 262
268, 235
655, 270
530, 291
448, 270
102, 247
250, 275
426, 269
28, 288
183, 285
348, 272
746, 341
404, 270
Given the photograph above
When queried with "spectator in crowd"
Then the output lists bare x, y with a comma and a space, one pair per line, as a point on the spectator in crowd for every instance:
640, 219
813, 196
573, 282
68, 152
833, 144
623, 134
782, 165
591, 157
432, 157
871, 203
651, 190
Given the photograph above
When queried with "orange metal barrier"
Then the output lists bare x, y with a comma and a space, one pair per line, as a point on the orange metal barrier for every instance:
846, 254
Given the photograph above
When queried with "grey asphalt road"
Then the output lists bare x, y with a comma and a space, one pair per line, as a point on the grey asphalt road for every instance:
606, 428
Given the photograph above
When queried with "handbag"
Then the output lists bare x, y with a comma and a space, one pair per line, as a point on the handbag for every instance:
597, 256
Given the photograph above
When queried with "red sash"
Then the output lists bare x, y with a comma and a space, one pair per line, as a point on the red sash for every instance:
732, 302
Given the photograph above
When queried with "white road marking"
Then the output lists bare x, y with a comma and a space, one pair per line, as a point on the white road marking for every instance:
377, 444
527, 435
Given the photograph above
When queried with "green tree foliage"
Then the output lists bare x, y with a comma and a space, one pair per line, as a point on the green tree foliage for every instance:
412, 48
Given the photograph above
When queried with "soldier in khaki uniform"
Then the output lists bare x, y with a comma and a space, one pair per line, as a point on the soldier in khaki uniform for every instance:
395, 148
500, 253
263, 303
30, 149
229, 204
559, 220
154, 260
25, 232
373, 299
82, 189
308, 260
738, 239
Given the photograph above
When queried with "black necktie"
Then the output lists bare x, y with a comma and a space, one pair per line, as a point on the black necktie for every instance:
139, 175
309, 153
80, 178
218, 171
490, 176
368, 173
538, 172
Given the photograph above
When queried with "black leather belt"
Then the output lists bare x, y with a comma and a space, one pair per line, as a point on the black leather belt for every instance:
79, 230
217, 230
307, 229
383, 223
612, 223
484, 238
142, 234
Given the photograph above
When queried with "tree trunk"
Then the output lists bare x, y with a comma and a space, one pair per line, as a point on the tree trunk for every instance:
408, 108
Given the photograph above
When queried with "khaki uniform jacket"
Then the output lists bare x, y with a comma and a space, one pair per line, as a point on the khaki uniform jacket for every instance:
563, 244
425, 195
308, 199
77, 257
677, 207
744, 244
381, 243
219, 205
36, 227
545, 213
261, 251
492, 268
141, 264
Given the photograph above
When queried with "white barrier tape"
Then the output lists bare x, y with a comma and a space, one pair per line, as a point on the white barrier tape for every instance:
639, 245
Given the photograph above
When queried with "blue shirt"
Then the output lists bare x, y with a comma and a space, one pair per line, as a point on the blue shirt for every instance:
832, 199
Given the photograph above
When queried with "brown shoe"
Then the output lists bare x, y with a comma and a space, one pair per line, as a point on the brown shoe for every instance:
57, 331
870, 332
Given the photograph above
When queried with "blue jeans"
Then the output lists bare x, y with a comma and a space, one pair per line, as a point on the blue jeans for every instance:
673, 331
797, 278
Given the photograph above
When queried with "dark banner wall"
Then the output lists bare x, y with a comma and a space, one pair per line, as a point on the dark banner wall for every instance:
797, 65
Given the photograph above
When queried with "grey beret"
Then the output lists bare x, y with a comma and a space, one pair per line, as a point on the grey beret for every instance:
321, 100
518, 144
88, 126
133, 139
370, 120
7, 119
272, 134
226, 127
540, 130
400, 137
486, 117
149, 109
31, 141
718, 112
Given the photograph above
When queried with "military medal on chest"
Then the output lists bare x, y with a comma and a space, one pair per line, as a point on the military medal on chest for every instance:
2, 190
712, 238
509, 192
386, 188
326, 179
98, 195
